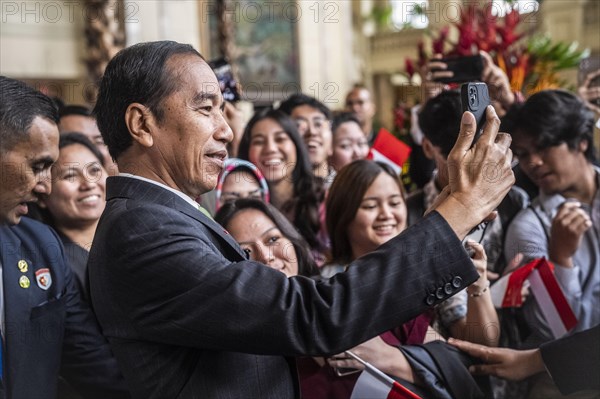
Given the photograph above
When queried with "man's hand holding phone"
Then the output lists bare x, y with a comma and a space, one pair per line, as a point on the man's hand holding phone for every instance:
475, 98
480, 175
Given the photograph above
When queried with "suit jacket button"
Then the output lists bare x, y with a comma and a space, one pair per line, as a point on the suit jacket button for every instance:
448, 289
430, 300
439, 293
457, 282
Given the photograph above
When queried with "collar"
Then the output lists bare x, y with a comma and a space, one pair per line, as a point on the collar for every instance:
430, 190
187, 199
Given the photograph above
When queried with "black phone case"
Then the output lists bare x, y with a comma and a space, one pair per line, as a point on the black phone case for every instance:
227, 83
475, 98
466, 69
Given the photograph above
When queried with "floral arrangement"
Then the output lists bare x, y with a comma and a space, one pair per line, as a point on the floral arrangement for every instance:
531, 62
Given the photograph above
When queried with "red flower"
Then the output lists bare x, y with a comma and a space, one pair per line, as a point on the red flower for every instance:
507, 32
422, 56
410, 68
399, 117
438, 44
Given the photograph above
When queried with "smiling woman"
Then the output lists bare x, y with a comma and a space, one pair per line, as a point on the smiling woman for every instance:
267, 236
365, 208
77, 200
272, 143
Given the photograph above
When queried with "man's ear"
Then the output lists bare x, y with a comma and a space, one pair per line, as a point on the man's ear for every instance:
141, 124
428, 148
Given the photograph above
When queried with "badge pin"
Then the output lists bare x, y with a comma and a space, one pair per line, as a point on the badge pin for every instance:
24, 282
43, 278
23, 266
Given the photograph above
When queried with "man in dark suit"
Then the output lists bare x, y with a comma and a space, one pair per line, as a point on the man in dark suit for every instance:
573, 361
187, 315
46, 330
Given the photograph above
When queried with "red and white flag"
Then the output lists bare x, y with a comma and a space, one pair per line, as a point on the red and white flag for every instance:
506, 293
388, 149
374, 384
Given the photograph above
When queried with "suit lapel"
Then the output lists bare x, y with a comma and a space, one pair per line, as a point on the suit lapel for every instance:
17, 306
126, 187
214, 227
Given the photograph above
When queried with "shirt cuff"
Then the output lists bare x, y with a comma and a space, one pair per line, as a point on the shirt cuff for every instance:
568, 277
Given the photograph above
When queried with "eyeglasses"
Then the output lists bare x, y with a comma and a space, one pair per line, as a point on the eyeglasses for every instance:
351, 103
315, 125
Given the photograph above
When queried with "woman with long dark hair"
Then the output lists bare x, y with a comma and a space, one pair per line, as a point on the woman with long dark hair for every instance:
272, 143
267, 236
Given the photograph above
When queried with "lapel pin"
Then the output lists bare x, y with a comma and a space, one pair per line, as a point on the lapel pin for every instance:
43, 278
24, 282
23, 266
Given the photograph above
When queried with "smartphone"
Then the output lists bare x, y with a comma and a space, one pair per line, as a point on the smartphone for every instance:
228, 85
466, 69
475, 98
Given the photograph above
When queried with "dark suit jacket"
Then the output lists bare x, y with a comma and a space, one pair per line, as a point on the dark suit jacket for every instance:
573, 362
48, 332
188, 316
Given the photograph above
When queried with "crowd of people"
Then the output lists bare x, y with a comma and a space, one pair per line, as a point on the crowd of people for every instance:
161, 267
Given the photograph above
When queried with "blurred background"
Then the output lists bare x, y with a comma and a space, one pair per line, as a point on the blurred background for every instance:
280, 47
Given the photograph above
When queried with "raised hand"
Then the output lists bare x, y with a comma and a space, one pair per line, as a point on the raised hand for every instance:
502, 362
375, 351
434, 69
498, 84
568, 227
479, 176
590, 94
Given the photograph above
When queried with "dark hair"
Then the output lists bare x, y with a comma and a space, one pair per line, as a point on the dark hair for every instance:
358, 86
71, 138
80, 110
553, 117
344, 199
297, 100
439, 120
308, 189
306, 264
342, 117
508, 122
19, 106
58, 102
137, 74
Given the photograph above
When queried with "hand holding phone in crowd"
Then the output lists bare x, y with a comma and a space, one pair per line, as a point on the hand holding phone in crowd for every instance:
589, 91
457, 69
475, 98
480, 67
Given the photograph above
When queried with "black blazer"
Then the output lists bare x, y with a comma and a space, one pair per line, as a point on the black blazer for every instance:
573, 362
188, 316
49, 332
